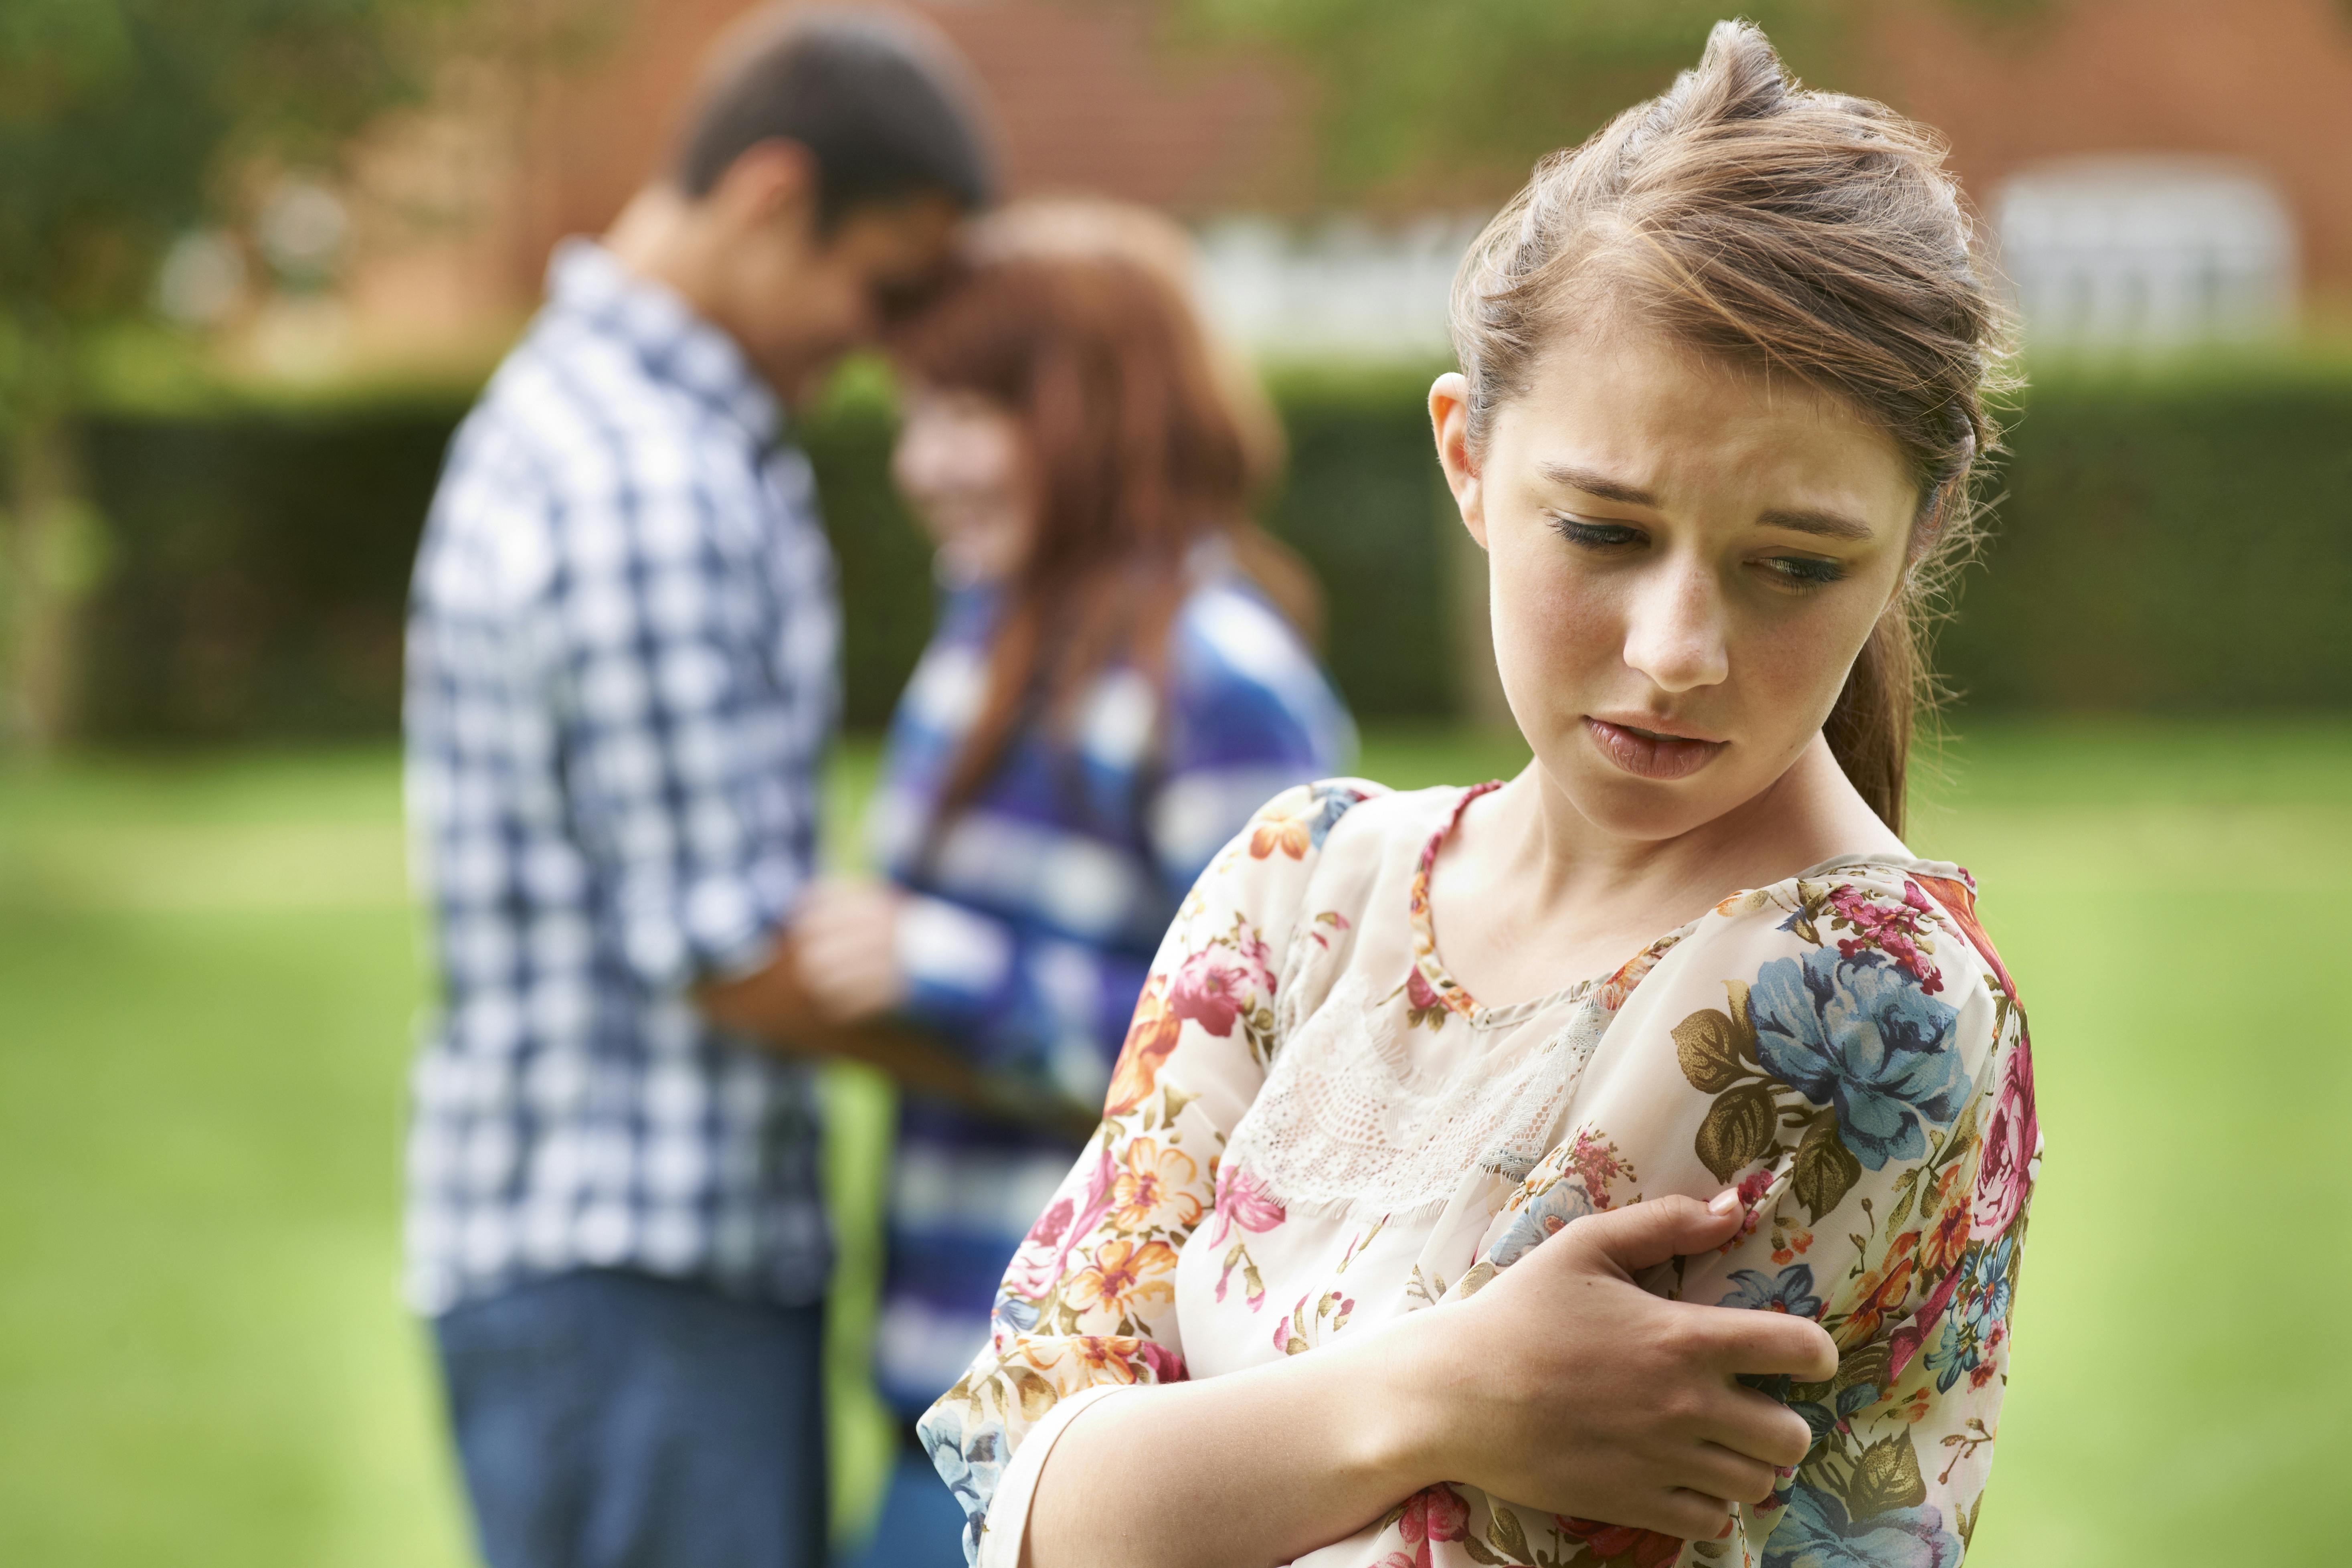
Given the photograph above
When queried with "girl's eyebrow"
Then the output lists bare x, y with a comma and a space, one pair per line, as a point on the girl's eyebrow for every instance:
1826, 524
1594, 483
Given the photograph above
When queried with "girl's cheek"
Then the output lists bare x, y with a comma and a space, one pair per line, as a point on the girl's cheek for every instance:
1569, 624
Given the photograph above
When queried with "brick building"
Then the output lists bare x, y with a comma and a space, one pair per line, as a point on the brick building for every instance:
2232, 107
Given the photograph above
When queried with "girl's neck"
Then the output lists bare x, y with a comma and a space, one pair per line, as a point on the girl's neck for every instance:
1809, 813
1529, 894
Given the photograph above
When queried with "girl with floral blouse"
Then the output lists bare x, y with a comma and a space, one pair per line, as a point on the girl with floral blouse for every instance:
1444, 1211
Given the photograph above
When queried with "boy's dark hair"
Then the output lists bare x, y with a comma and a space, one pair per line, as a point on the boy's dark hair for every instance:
884, 110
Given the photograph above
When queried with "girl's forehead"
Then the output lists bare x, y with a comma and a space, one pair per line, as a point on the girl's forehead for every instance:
1643, 373
1646, 415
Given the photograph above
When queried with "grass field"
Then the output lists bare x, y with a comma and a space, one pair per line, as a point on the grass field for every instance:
207, 978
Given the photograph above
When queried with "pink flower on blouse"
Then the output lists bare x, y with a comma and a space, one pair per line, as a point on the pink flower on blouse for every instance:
1210, 989
1437, 1514
1642, 1548
2011, 1142
1038, 1265
1892, 928
1419, 994
1424, 1003
1166, 1365
1908, 1338
1124, 1358
1243, 1200
1258, 958
1051, 1224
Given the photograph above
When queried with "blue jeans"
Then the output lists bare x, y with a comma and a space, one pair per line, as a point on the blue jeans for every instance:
920, 1524
613, 1420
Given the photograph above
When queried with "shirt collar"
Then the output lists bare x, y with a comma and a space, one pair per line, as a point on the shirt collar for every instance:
587, 282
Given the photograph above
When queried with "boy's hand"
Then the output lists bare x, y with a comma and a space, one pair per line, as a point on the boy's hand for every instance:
844, 944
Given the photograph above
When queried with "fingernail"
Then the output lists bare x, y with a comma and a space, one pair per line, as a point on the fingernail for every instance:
1725, 1202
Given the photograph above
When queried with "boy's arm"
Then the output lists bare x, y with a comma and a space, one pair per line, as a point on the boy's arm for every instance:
771, 1006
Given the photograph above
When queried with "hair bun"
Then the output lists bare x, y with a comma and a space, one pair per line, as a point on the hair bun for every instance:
1739, 77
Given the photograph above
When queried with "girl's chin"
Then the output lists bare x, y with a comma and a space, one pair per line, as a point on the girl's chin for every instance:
1621, 806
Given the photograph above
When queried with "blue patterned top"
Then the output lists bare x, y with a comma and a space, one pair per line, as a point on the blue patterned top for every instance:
1036, 915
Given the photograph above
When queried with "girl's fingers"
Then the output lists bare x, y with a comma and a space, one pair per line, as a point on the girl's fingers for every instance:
1694, 1516
1756, 1426
1771, 1343
1734, 1477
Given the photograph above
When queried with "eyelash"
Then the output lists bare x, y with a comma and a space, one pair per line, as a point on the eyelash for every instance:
1803, 574
1593, 535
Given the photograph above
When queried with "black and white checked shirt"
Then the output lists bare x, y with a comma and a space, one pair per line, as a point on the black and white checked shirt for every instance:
622, 671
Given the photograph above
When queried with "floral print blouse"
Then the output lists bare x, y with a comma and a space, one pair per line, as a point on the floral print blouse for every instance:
1313, 1128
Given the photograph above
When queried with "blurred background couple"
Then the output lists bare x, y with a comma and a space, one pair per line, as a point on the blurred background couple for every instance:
621, 683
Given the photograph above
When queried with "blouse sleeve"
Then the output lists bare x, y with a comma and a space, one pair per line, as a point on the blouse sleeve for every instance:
1088, 1302
1853, 1057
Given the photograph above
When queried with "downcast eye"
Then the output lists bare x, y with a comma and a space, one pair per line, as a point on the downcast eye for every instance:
1595, 535
1809, 572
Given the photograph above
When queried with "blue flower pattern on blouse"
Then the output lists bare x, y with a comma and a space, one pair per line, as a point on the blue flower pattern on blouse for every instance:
1861, 1035
1791, 1293
1819, 1534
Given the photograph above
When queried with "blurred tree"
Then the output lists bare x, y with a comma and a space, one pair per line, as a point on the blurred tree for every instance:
1470, 93
123, 123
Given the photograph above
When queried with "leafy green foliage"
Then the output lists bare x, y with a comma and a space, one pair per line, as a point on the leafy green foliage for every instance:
1411, 92
116, 115
1470, 93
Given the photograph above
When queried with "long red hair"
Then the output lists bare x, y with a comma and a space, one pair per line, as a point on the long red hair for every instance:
1136, 456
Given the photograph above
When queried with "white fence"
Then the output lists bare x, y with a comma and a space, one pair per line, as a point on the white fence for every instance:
1340, 288
2145, 253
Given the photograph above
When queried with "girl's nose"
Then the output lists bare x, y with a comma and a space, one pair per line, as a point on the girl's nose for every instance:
1674, 630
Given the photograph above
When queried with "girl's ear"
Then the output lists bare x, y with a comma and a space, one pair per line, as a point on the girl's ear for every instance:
1449, 420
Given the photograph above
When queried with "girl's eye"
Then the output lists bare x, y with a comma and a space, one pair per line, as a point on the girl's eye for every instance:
1595, 535
1804, 571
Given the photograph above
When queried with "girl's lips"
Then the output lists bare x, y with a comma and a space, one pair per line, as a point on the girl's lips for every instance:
1651, 756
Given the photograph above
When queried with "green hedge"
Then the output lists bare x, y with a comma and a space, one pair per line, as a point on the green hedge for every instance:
2180, 542
260, 558
2167, 543
262, 554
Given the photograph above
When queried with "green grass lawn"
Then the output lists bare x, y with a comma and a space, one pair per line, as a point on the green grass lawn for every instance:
206, 982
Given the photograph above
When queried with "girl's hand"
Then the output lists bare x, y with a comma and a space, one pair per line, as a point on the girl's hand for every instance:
844, 945
1566, 1387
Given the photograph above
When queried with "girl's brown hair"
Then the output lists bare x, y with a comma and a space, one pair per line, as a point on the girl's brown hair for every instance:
1796, 232
1135, 457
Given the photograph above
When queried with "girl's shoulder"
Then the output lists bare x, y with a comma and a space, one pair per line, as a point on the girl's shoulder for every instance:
1316, 849
1910, 917
1352, 822
1303, 836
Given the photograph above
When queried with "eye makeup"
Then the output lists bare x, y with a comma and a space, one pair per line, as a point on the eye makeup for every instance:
1805, 573
1595, 535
